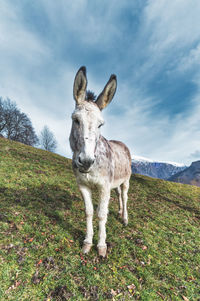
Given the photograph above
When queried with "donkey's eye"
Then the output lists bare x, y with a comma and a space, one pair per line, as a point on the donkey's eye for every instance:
100, 125
76, 121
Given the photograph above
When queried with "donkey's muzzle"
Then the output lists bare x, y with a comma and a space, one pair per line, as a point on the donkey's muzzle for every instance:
85, 163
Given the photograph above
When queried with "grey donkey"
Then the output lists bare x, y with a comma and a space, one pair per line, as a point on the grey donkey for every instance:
98, 164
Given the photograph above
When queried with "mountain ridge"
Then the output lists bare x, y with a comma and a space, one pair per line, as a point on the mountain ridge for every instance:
155, 169
190, 175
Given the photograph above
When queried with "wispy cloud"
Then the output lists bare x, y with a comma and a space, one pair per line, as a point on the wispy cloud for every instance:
195, 155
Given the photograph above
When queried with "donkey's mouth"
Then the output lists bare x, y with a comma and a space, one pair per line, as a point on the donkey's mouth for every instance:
83, 170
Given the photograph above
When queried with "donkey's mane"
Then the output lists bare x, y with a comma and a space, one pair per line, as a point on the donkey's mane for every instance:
90, 96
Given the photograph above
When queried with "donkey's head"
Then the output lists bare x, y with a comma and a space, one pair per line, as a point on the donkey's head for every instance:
87, 120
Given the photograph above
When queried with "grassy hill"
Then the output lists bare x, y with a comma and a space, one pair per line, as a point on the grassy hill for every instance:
42, 227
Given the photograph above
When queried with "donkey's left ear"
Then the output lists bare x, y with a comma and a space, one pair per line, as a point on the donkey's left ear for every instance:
80, 85
108, 92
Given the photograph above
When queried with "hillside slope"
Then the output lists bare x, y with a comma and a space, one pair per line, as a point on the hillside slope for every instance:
42, 226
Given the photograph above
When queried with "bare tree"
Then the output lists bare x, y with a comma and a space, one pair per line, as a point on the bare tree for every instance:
2, 117
16, 125
24, 131
7, 110
47, 139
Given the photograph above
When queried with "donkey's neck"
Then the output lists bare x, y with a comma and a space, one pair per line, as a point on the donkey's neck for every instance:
103, 147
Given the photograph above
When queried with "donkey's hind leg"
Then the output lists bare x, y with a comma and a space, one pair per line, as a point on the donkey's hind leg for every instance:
125, 187
119, 194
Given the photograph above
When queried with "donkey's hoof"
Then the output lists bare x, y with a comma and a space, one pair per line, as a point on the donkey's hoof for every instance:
125, 221
102, 251
86, 248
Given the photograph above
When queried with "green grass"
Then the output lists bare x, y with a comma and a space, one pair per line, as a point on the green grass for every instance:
42, 227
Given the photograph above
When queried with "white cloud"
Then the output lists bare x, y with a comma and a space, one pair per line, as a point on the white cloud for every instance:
190, 61
16, 43
174, 23
195, 154
168, 32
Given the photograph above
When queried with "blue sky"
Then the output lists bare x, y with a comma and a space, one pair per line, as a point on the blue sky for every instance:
152, 46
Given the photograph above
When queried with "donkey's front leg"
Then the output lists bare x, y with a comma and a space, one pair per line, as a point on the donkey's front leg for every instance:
102, 215
86, 193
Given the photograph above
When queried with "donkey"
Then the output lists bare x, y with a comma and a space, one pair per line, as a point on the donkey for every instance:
97, 163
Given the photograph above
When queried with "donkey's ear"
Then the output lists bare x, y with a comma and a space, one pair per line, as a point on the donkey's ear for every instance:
108, 92
80, 85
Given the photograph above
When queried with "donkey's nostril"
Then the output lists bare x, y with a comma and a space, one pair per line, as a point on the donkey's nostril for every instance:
79, 161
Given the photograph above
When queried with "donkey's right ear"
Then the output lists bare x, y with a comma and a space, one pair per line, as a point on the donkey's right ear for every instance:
80, 85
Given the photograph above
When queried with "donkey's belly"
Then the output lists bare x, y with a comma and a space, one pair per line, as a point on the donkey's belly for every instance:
92, 181
117, 183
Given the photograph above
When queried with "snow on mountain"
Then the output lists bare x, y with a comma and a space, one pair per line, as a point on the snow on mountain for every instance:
143, 159
155, 169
